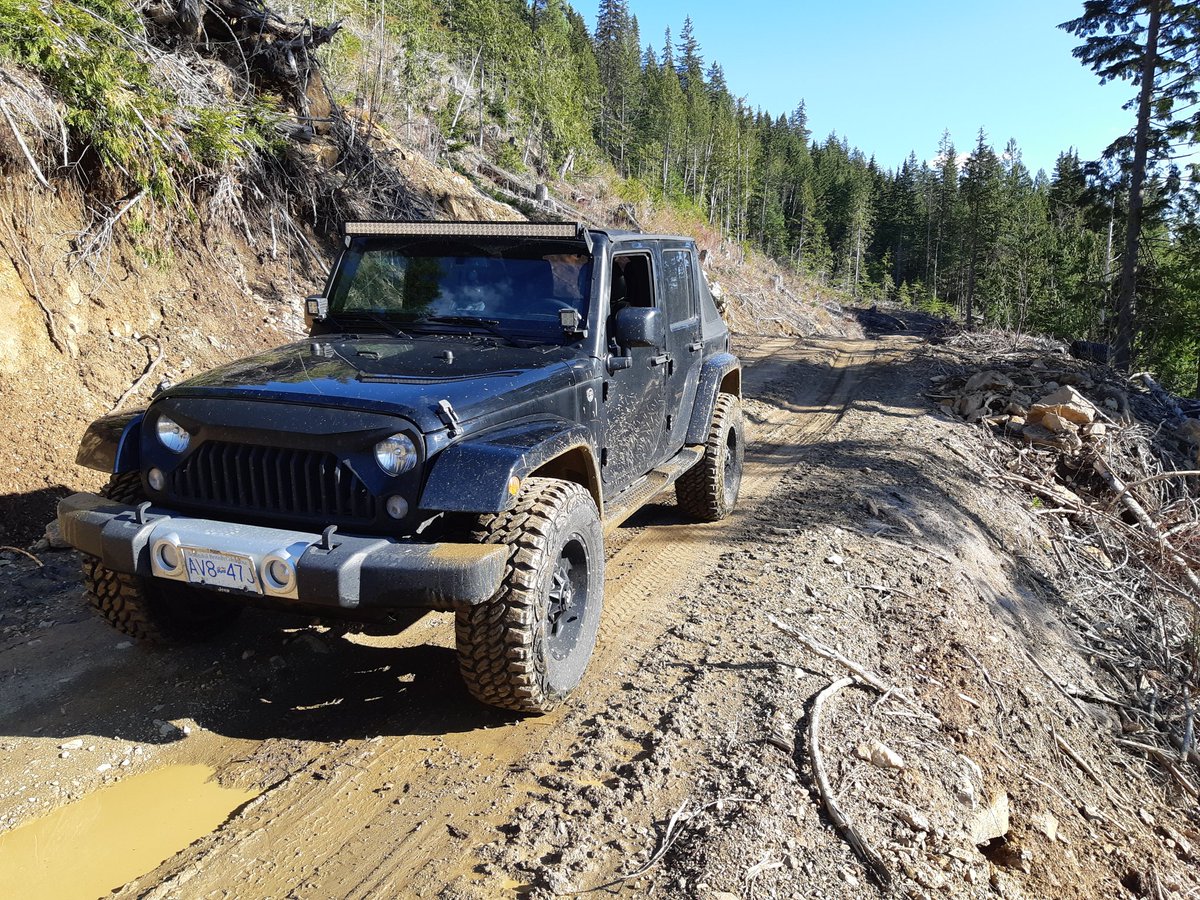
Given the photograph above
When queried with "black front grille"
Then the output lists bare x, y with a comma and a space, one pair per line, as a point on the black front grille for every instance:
280, 482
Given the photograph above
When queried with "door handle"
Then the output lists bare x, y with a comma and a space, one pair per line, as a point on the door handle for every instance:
660, 360
695, 345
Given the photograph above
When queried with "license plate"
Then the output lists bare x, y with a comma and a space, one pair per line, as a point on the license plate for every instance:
215, 568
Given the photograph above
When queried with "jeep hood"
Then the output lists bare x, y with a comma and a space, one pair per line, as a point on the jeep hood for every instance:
403, 376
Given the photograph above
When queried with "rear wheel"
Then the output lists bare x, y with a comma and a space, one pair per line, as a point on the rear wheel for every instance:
527, 647
152, 610
709, 490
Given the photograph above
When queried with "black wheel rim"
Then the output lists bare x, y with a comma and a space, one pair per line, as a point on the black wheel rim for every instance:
732, 474
567, 601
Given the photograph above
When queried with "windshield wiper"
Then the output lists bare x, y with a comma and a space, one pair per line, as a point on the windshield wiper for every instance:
349, 316
489, 325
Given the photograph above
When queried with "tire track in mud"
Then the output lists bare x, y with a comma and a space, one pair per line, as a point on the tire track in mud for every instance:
400, 815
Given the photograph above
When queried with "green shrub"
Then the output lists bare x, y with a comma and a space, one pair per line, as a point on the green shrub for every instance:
509, 157
85, 52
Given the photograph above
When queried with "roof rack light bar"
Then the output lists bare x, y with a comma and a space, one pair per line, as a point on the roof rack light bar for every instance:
560, 230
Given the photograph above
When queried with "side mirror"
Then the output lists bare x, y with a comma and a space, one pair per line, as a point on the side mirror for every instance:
316, 307
638, 326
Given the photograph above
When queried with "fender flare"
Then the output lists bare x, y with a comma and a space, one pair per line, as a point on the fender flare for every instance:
110, 444
716, 371
474, 476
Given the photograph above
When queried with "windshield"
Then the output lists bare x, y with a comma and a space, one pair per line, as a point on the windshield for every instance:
516, 290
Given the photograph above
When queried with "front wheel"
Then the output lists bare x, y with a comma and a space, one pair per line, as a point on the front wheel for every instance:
709, 490
527, 647
150, 609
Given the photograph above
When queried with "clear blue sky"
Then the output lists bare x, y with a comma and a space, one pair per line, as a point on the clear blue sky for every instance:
891, 75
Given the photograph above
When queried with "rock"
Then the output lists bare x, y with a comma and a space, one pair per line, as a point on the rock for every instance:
1095, 430
989, 380
1036, 434
76, 744
53, 537
1045, 823
883, 756
991, 822
965, 791
103, 767
1093, 814
914, 820
1067, 403
834, 559
969, 405
1056, 423
169, 729
1182, 846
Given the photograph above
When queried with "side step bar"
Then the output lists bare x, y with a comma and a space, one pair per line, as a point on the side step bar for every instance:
649, 486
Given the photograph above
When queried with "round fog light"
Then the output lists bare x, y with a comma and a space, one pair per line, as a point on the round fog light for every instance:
279, 573
397, 506
156, 479
169, 557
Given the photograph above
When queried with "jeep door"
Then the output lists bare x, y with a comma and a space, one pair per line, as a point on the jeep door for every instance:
635, 407
685, 350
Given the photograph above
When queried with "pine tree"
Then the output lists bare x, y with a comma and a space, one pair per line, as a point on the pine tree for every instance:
981, 195
1159, 57
944, 216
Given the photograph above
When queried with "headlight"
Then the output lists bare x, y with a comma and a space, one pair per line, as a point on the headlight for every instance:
172, 435
396, 455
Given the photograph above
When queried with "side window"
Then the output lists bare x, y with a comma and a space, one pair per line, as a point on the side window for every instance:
677, 276
630, 283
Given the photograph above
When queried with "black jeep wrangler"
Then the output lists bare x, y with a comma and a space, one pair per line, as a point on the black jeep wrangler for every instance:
476, 405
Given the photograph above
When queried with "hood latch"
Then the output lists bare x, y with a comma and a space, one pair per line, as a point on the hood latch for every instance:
447, 414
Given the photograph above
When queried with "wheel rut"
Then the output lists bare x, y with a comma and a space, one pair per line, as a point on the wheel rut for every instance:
400, 814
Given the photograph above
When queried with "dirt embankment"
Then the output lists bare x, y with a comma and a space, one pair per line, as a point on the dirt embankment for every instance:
79, 332
684, 766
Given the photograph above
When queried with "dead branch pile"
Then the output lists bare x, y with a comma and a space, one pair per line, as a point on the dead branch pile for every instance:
1112, 465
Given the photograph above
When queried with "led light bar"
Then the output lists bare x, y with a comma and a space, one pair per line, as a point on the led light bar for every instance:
560, 230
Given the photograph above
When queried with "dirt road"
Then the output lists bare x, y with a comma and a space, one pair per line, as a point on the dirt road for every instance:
373, 775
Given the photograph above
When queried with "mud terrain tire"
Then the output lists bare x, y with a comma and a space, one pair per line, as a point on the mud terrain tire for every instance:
708, 491
164, 613
527, 647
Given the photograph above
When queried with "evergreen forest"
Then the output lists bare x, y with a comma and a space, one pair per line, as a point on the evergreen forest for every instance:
960, 227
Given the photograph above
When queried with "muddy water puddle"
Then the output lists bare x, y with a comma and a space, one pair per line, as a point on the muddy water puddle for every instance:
96, 844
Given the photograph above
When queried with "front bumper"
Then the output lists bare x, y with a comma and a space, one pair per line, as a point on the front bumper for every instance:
354, 572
